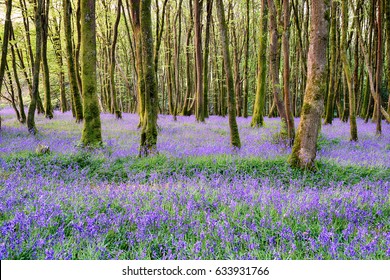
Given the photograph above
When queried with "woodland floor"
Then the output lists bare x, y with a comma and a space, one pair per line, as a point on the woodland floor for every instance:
197, 199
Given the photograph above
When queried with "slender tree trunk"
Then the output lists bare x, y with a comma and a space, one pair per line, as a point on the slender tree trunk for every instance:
200, 115
11, 92
186, 104
45, 65
92, 134
159, 32
7, 35
379, 68
209, 9
387, 13
261, 85
347, 73
55, 38
332, 66
246, 62
114, 100
305, 145
234, 134
286, 73
177, 59
274, 63
74, 89
37, 61
22, 118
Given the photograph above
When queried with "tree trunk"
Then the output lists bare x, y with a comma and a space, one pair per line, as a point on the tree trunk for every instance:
186, 104
7, 35
286, 73
76, 98
114, 101
200, 115
387, 13
246, 62
261, 85
177, 59
347, 72
55, 38
92, 135
37, 61
149, 125
45, 65
22, 118
234, 134
274, 64
332, 66
305, 145
209, 9
379, 67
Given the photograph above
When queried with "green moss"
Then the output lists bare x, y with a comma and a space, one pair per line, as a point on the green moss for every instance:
306, 108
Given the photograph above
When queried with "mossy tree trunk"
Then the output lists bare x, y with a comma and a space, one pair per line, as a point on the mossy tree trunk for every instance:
45, 65
177, 47
274, 64
305, 145
246, 63
55, 38
92, 135
387, 14
199, 112
37, 61
22, 118
209, 9
332, 66
234, 134
135, 7
347, 72
148, 143
114, 101
186, 111
379, 68
261, 84
6, 37
286, 73
77, 107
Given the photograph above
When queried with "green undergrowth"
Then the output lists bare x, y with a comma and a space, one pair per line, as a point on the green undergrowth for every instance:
119, 170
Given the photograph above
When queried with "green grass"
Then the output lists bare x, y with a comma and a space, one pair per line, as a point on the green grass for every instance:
123, 169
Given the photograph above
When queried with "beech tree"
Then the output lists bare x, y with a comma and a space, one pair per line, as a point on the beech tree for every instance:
37, 62
305, 145
234, 134
72, 76
92, 134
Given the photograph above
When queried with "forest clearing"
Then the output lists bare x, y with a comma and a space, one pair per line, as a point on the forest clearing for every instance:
195, 129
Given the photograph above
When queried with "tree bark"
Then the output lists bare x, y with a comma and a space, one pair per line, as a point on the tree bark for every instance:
332, 66
200, 115
234, 134
305, 145
74, 89
261, 85
45, 65
286, 73
37, 61
114, 100
148, 144
274, 64
347, 73
91, 135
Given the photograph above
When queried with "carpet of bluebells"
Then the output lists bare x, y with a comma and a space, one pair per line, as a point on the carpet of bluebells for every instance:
197, 199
